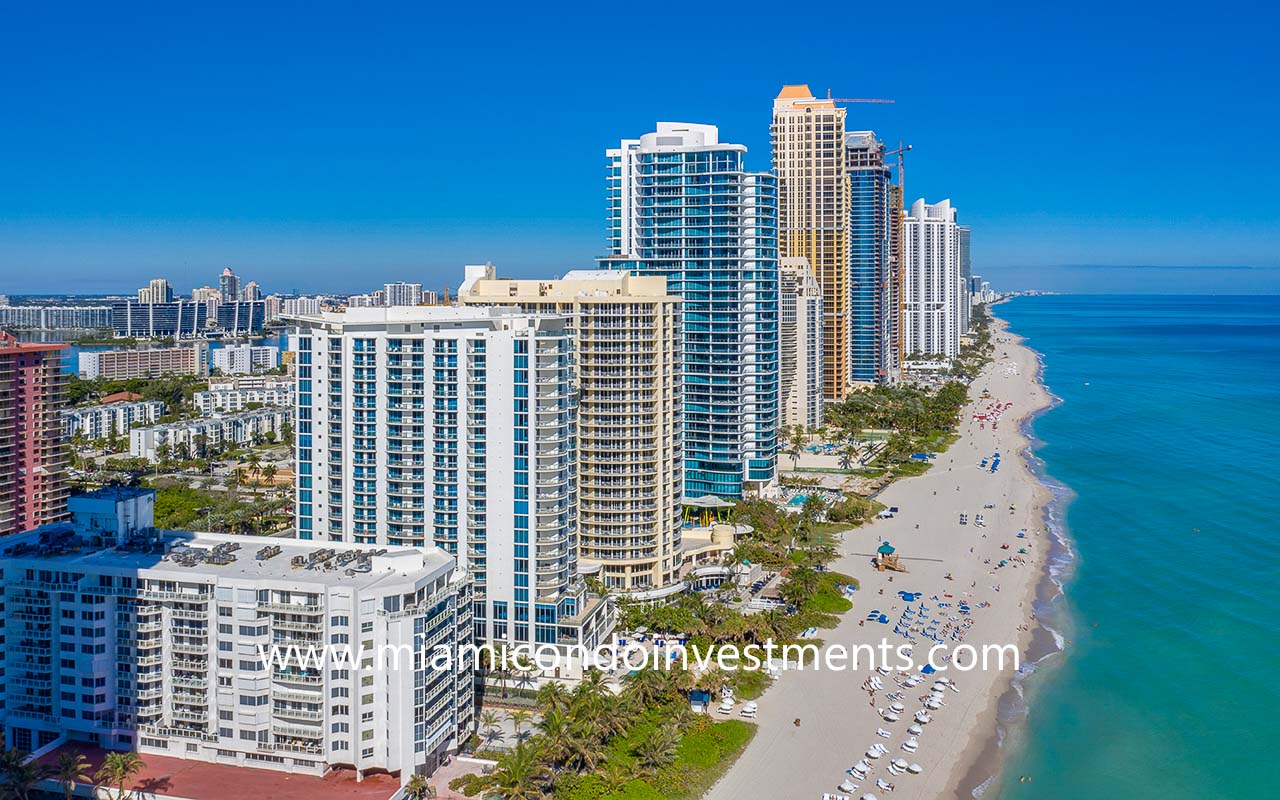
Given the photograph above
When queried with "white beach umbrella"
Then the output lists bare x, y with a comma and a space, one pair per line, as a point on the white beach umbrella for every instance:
915, 769
891, 717
847, 785
898, 707
900, 763
868, 797
915, 730
861, 766
873, 753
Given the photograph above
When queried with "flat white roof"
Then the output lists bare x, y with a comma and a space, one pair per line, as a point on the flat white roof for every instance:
394, 564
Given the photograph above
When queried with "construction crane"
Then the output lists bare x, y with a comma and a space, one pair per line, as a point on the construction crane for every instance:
902, 150
830, 99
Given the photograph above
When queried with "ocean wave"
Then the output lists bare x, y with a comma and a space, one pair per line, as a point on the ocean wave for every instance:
1049, 606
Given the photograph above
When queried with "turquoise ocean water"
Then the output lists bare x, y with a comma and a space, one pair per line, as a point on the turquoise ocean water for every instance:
1168, 439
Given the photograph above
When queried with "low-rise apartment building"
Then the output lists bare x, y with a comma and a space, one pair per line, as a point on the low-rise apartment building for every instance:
117, 365
212, 401
99, 422
129, 638
193, 437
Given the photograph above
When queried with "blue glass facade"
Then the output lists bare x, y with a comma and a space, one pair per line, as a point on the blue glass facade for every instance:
869, 257
693, 215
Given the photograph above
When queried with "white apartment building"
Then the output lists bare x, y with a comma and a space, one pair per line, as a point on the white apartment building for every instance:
194, 437
402, 294
452, 427
301, 305
129, 638
212, 401
800, 334
934, 293
54, 317
245, 359
99, 422
627, 364
220, 383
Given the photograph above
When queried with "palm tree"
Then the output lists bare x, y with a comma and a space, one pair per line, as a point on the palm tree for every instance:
554, 734
269, 473
519, 718
797, 444
490, 729
418, 789
645, 686
800, 585
552, 696
21, 775
583, 748
253, 461
659, 748
523, 674
847, 455
70, 769
594, 685
520, 775
118, 769
616, 775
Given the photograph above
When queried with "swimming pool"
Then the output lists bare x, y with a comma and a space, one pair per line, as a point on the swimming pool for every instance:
797, 500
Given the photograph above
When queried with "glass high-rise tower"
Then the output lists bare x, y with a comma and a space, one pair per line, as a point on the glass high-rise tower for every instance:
681, 205
870, 276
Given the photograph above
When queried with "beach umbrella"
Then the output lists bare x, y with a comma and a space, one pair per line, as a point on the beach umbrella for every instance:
900, 763
861, 766
847, 785
915, 730
873, 753
898, 707
915, 769
868, 797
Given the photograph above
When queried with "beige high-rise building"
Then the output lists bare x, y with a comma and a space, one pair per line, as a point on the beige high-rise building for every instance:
157, 291
800, 344
808, 137
626, 331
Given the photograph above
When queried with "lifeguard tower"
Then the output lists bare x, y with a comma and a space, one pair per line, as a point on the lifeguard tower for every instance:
887, 558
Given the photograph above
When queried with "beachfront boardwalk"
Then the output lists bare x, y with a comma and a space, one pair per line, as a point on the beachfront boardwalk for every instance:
838, 717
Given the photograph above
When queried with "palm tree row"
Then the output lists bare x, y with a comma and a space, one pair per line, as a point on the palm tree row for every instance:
21, 775
579, 730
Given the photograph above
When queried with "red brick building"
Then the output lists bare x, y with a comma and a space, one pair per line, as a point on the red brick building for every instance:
33, 457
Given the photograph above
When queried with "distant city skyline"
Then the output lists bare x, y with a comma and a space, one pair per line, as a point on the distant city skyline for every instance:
324, 162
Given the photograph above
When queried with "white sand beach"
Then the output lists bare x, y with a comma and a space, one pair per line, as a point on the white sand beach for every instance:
838, 720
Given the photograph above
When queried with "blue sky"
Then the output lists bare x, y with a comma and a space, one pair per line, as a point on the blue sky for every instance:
322, 146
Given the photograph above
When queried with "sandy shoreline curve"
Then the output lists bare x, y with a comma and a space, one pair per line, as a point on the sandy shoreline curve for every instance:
838, 719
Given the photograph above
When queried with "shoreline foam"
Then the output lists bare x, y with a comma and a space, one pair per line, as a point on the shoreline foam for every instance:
1048, 636
837, 720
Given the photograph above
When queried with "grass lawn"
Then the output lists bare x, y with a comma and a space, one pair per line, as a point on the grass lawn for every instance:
910, 469
829, 599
